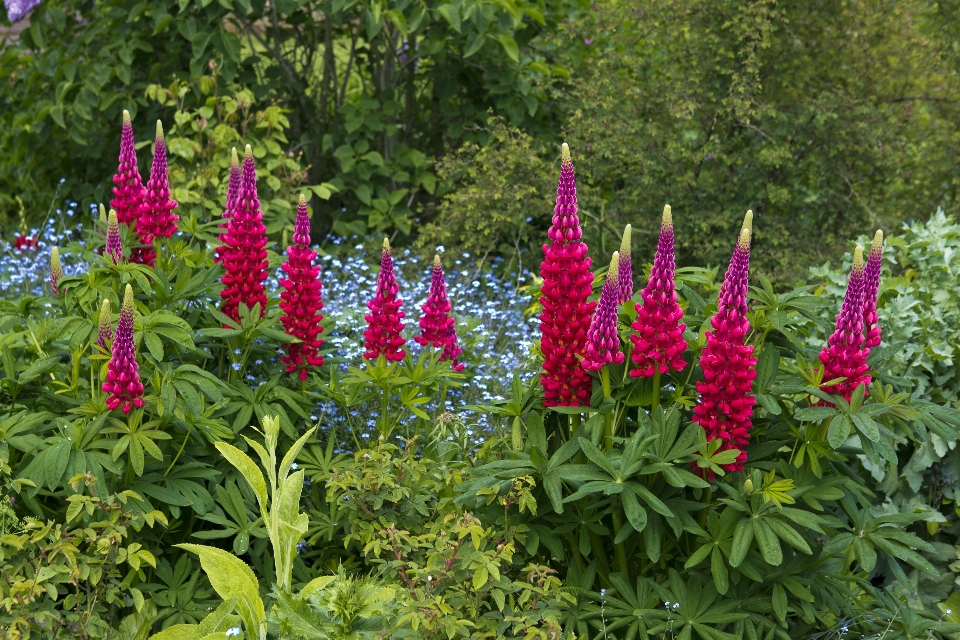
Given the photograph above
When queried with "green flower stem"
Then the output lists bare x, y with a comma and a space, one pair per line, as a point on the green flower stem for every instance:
621, 546
607, 421
656, 390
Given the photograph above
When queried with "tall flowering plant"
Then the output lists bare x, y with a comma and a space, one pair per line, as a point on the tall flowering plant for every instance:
114, 247
567, 284
105, 326
128, 187
233, 190
625, 268
56, 270
123, 377
725, 411
844, 356
437, 325
383, 334
871, 276
301, 300
603, 341
156, 219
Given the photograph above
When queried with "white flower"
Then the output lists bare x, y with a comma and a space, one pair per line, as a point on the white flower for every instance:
232, 631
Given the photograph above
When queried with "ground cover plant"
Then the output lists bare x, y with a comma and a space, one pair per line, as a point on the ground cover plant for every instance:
193, 446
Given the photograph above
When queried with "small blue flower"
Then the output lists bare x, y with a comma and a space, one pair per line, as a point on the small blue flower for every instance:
232, 631
237, 366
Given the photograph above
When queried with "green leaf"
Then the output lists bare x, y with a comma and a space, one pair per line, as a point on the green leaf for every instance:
742, 539
251, 472
451, 14
815, 414
509, 46
839, 431
636, 514
779, 602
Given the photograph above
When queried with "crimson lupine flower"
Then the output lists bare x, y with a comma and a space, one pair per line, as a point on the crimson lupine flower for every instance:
626, 267
437, 325
567, 284
871, 276
128, 192
56, 270
157, 219
114, 249
603, 341
301, 300
658, 344
123, 377
382, 336
726, 406
233, 189
245, 259
23, 243
844, 355
105, 328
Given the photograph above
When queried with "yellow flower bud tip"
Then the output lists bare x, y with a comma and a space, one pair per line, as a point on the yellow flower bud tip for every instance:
112, 218
234, 161
303, 199
248, 152
748, 221
55, 255
614, 271
103, 214
159, 130
858, 258
878, 240
126, 117
625, 241
105, 308
386, 244
128, 297
667, 220
748, 486
436, 260
744, 242
564, 153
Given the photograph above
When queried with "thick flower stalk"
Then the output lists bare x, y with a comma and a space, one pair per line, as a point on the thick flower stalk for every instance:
844, 355
301, 300
658, 343
56, 270
114, 249
245, 259
105, 328
437, 325
157, 219
567, 284
726, 407
128, 189
626, 267
123, 377
871, 276
603, 340
383, 333
233, 190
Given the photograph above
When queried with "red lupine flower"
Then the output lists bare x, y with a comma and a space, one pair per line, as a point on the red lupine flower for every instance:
114, 249
603, 341
157, 219
301, 299
23, 243
567, 283
382, 336
123, 377
726, 406
245, 261
128, 192
658, 344
871, 276
56, 270
625, 267
437, 325
105, 327
233, 189
844, 355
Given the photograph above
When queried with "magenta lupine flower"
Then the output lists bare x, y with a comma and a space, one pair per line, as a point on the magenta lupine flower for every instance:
626, 267
128, 192
871, 276
157, 219
56, 270
658, 343
437, 325
726, 406
383, 333
301, 299
844, 355
603, 340
245, 260
567, 284
123, 376
105, 328
233, 190
114, 250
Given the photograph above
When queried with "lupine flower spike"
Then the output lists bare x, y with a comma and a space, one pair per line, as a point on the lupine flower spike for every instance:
157, 219
233, 190
301, 299
437, 325
871, 275
382, 336
114, 249
128, 192
123, 376
844, 355
56, 270
567, 284
603, 341
245, 259
626, 268
105, 329
658, 344
103, 214
726, 406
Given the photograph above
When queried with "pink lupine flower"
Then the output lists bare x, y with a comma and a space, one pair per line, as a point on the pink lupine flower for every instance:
844, 355
567, 284
157, 219
123, 376
871, 276
625, 267
301, 300
726, 406
114, 249
233, 190
245, 260
383, 333
603, 340
437, 325
128, 192
56, 270
658, 344
105, 327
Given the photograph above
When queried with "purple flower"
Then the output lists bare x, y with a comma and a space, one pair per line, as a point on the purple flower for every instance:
18, 9
871, 276
56, 270
123, 376
603, 341
105, 329
114, 249
626, 268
